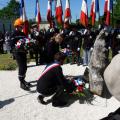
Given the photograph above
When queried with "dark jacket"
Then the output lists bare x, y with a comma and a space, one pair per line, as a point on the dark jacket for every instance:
88, 41
51, 49
16, 35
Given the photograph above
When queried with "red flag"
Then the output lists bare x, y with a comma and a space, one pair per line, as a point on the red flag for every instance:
49, 12
105, 6
37, 13
67, 11
23, 17
93, 12
109, 7
59, 12
84, 14
67, 15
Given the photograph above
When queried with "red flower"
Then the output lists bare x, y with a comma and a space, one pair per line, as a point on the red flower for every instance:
80, 88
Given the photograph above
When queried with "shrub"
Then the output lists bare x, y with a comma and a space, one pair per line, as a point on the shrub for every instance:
8, 66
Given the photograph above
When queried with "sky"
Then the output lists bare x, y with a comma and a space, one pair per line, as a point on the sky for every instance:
75, 6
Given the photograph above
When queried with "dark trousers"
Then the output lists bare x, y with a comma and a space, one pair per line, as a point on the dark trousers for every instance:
21, 59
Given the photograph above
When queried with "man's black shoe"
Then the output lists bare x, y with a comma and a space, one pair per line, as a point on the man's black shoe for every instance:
40, 100
24, 87
28, 84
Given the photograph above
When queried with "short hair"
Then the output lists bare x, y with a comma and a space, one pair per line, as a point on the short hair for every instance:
58, 38
59, 56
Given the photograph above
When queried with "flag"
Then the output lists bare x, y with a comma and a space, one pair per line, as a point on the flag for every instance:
37, 13
67, 11
67, 15
84, 13
97, 8
59, 12
23, 17
93, 11
105, 6
109, 9
49, 12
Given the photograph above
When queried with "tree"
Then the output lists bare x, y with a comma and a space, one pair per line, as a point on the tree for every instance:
11, 10
116, 12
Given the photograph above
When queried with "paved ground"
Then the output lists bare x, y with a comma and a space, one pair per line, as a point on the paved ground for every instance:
17, 104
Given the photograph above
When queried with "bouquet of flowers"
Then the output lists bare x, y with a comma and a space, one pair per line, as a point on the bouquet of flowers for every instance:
23, 43
82, 88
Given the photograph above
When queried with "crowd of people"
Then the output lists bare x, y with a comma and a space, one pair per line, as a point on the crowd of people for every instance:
72, 42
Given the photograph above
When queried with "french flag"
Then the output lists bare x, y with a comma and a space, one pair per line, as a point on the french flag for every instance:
84, 14
109, 9
59, 12
93, 12
97, 8
105, 6
67, 11
23, 17
49, 12
37, 13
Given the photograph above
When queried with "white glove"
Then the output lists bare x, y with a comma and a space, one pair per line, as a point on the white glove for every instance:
78, 49
90, 37
109, 48
91, 49
37, 33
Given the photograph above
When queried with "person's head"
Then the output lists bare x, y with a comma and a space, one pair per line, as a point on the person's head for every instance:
60, 57
18, 24
59, 38
34, 27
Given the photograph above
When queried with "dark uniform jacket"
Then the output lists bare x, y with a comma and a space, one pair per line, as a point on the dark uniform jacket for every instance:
16, 35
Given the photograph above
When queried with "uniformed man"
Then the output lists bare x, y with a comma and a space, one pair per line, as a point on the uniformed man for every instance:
18, 41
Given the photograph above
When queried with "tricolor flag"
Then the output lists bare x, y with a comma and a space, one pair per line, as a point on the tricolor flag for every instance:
59, 12
94, 10
23, 17
97, 7
105, 6
84, 13
109, 9
49, 12
37, 13
67, 11
67, 15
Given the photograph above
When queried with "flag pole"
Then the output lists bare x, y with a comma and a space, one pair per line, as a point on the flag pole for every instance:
70, 14
99, 12
112, 15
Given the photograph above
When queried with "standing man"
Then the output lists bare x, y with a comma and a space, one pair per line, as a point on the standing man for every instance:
18, 39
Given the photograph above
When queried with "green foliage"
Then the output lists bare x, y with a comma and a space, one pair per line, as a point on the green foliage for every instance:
8, 66
11, 10
7, 63
116, 12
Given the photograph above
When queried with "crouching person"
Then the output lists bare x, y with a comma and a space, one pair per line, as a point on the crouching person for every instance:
52, 81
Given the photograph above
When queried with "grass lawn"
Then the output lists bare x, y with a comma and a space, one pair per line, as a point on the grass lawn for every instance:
7, 63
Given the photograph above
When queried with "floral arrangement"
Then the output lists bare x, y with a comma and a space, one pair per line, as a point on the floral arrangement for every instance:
23, 43
82, 88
